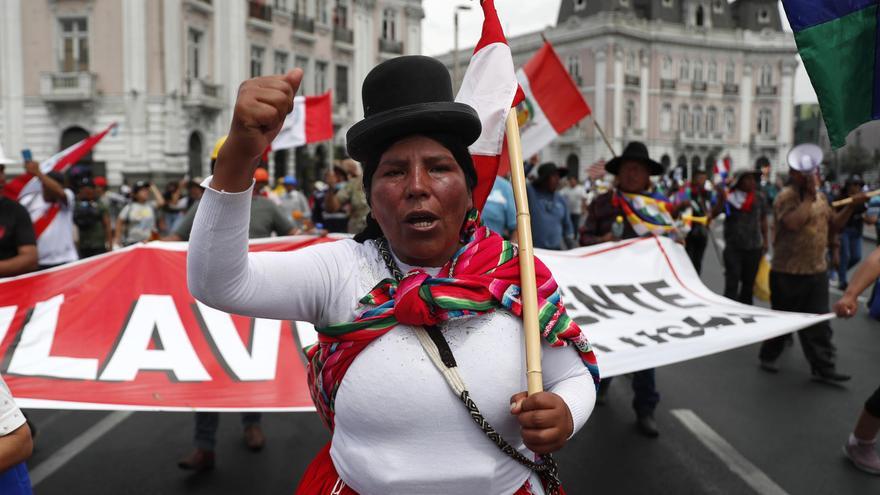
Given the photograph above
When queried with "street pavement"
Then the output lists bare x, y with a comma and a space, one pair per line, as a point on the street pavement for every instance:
726, 428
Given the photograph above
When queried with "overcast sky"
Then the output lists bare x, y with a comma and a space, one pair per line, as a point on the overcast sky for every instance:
523, 16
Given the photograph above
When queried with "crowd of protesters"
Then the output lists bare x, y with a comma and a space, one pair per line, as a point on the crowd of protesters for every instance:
78, 216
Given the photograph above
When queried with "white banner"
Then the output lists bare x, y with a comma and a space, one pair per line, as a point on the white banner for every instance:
643, 306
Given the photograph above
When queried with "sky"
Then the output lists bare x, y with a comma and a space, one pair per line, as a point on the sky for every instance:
525, 16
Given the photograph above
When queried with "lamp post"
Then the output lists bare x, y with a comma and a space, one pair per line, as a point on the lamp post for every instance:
455, 82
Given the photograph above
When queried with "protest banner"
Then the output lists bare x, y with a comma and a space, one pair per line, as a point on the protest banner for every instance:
121, 331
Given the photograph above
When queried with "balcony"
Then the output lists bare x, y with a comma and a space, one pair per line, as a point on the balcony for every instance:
765, 91
390, 46
202, 94
698, 86
342, 34
68, 87
764, 140
667, 84
697, 138
630, 80
258, 10
730, 89
303, 23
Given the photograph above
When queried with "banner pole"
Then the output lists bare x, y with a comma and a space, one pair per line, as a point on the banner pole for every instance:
605, 138
528, 285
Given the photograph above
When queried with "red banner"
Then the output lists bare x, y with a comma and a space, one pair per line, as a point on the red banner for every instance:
121, 331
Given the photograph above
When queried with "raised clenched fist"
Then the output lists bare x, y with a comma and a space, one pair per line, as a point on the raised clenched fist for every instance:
260, 109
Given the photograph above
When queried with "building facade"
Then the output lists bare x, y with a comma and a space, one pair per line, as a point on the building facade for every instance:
696, 80
168, 71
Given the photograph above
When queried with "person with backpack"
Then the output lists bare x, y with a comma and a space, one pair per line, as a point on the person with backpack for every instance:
92, 219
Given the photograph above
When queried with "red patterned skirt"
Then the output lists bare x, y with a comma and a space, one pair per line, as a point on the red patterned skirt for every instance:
321, 478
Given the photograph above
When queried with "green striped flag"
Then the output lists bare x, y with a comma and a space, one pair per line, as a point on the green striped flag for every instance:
839, 43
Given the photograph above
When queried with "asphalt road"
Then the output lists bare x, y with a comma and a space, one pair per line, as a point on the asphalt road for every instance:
726, 427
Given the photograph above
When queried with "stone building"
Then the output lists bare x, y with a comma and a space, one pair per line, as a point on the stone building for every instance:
694, 79
167, 71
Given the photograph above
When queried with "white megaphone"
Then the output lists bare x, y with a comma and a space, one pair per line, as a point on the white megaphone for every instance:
4, 160
805, 157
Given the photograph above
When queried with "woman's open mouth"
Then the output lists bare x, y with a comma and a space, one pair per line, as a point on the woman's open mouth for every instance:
421, 220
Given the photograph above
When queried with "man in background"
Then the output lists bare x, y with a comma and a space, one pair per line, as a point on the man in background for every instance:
52, 215
18, 244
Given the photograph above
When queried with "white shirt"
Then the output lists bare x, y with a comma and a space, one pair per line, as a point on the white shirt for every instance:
11, 417
574, 198
55, 245
399, 427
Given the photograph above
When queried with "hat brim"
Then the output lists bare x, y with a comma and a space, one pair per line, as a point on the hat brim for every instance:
738, 176
613, 166
376, 131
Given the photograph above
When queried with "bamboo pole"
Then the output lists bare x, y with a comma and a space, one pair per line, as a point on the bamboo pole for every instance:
846, 201
529, 288
605, 138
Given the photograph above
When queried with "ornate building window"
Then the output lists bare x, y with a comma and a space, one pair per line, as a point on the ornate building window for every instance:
711, 119
320, 77
765, 121
321, 12
698, 119
574, 68
257, 60
683, 118
713, 72
280, 62
340, 14
74, 54
666, 71
389, 25
666, 117
194, 51
699, 16
766, 75
684, 70
729, 121
631, 63
698, 71
629, 116
729, 73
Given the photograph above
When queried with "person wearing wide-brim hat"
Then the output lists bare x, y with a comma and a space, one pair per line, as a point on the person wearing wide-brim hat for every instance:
374, 300
804, 222
745, 233
607, 221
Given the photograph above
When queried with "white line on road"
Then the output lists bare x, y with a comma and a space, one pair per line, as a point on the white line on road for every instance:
754, 477
57, 460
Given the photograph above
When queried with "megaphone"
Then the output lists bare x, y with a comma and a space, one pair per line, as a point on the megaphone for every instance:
805, 157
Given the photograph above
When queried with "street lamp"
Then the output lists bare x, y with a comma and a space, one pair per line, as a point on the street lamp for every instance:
455, 82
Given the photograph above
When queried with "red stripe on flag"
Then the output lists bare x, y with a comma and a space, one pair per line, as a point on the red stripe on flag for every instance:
555, 91
44, 221
319, 118
487, 168
492, 32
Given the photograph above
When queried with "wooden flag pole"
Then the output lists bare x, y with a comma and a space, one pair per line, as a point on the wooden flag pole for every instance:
528, 285
846, 201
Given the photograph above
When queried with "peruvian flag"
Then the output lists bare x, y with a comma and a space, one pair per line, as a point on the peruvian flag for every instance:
26, 184
490, 87
310, 121
553, 103
722, 169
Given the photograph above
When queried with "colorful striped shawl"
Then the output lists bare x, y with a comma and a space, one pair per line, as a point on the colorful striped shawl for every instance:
481, 277
646, 214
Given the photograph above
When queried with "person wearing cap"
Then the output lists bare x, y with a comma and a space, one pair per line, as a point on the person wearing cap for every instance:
52, 211
746, 237
92, 220
499, 212
406, 379
551, 221
139, 221
632, 170
850, 239
295, 204
18, 243
804, 223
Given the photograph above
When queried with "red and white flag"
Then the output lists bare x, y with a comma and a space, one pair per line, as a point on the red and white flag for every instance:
26, 184
722, 169
553, 103
310, 121
490, 87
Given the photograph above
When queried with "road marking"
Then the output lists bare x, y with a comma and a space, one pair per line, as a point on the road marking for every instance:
57, 460
748, 472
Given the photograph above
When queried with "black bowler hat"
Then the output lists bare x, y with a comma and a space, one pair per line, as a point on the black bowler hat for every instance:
635, 151
548, 169
406, 96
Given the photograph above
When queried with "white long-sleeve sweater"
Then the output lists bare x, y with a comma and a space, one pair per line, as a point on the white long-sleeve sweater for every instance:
399, 427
